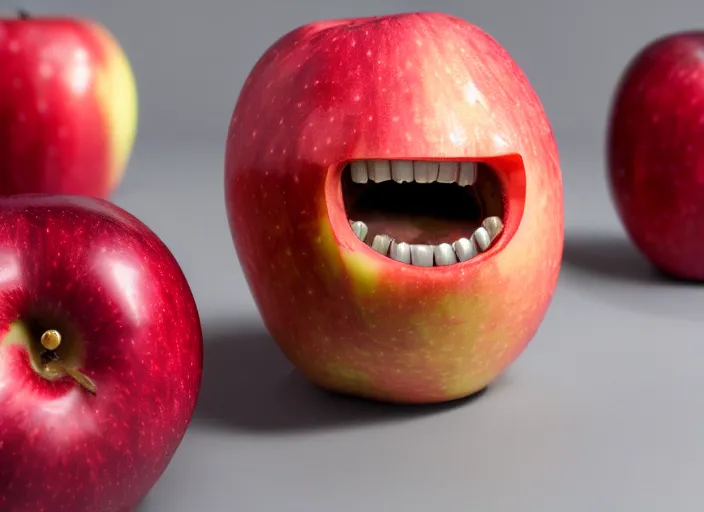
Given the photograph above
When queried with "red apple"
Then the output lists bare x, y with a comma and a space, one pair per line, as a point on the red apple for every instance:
100, 355
420, 291
655, 152
68, 107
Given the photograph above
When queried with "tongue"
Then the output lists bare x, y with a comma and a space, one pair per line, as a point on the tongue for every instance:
417, 229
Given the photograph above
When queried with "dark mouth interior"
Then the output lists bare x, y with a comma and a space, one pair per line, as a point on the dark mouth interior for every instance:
423, 213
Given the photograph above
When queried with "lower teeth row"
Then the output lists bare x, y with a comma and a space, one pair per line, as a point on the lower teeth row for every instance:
434, 255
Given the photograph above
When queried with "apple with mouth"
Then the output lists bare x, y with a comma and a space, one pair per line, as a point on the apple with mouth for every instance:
68, 107
100, 355
394, 194
655, 153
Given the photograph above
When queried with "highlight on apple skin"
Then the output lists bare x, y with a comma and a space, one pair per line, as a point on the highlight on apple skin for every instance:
68, 107
394, 194
655, 153
101, 355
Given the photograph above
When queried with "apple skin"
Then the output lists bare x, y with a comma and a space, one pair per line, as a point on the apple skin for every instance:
399, 86
655, 153
68, 107
98, 268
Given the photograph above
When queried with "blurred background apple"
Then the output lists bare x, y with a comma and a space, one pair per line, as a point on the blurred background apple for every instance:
68, 106
655, 152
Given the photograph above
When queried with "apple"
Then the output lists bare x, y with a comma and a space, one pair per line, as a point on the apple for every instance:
394, 195
68, 107
100, 355
655, 153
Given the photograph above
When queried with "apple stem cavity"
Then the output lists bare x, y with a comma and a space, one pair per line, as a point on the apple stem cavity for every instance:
23, 14
51, 340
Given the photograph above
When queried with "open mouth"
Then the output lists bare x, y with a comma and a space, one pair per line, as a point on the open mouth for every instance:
424, 213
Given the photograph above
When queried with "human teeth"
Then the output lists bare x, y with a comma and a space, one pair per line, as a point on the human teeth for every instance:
422, 255
381, 244
444, 255
481, 235
379, 170
493, 226
425, 172
448, 172
360, 229
420, 171
439, 255
467, 174
402, 171
465, 249
433, 170
359, 171
400, 252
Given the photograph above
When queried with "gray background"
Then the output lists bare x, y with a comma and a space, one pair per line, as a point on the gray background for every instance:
601, 412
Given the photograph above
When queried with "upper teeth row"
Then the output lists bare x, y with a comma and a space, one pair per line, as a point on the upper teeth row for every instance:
429, 255
420, 171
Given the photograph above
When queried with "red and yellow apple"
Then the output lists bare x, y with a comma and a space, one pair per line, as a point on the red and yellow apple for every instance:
655, 153
68, 107
394, 194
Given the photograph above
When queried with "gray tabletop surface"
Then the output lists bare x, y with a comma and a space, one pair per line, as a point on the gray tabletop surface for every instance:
602, 412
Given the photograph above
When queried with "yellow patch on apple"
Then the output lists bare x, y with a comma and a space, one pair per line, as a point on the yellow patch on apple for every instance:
362, 271
118, 97
348, 379
464, 343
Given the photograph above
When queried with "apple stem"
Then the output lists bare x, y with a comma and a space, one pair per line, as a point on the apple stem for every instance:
83, 380
51, 340
23, 14
80, 378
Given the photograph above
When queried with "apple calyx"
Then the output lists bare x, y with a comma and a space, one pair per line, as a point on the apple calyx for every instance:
52, 367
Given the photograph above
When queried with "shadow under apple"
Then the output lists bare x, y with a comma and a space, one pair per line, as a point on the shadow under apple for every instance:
249, 385
608, 256
611, 267
613, 257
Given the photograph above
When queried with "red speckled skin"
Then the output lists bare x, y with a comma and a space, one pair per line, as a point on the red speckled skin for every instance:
656, 153
61, 448
425, 85
64, 127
